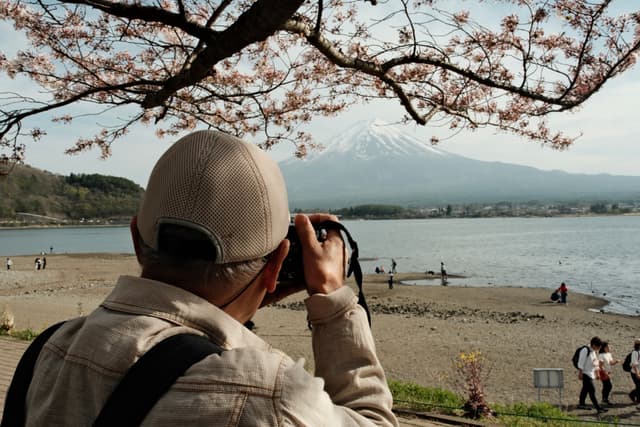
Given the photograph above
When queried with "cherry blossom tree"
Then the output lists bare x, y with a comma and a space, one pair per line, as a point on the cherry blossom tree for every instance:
266, 67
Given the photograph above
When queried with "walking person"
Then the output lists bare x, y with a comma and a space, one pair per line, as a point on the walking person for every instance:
9, 263
634, 394
390, 281
588, 366
210, 257
443, 273
393, 265
606, 362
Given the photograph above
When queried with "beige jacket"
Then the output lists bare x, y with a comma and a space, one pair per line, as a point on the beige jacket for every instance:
250, 384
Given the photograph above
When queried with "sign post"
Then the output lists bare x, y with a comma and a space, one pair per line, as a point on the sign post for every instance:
549, 378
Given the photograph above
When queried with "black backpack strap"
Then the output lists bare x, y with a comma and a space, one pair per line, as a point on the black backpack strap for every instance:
151, 377
14, 403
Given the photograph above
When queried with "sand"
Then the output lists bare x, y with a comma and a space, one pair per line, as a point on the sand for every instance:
419, 330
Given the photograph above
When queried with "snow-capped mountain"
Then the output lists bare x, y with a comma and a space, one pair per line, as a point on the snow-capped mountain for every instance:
368, 140
375, 162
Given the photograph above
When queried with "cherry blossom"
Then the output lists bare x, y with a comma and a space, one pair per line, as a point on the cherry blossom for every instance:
265, 68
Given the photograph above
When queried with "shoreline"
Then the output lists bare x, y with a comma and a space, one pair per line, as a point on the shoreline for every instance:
40, 226
126, 223
400, 278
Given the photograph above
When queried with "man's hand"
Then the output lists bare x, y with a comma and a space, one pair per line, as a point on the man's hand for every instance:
324, 262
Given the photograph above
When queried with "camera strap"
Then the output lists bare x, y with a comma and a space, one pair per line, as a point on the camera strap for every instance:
354, 263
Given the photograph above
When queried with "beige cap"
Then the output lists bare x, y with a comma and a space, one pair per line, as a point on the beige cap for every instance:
224, 187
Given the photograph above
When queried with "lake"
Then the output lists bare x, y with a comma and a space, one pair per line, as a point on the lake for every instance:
593, 255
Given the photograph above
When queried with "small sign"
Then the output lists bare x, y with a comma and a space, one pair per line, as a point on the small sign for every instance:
549, 378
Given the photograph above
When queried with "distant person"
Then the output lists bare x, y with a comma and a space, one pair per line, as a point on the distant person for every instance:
393, 265
377, 270
563, 290
44, 262
390, 281
9, 263
382, 269
37, 263
588, 366
443, 273
51, 249
606, 362
635, 372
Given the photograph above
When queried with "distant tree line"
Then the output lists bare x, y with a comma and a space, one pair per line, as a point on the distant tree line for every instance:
372, 211
104, 184
479, 210
74, 197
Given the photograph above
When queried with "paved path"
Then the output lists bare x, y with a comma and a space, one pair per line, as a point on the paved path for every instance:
11, 350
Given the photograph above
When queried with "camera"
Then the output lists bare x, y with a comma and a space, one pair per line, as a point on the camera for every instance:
292, 272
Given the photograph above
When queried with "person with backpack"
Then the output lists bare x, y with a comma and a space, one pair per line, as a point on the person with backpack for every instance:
631, 364
210, 236
588, 365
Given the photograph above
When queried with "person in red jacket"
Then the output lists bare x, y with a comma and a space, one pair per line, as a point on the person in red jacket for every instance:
562, 290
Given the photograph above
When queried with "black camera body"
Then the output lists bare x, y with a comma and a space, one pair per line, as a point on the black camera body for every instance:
292, 271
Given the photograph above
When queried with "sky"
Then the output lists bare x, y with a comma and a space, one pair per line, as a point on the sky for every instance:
609, 123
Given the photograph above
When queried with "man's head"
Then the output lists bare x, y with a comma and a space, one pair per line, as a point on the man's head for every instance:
214, 208
596, 343
636, 344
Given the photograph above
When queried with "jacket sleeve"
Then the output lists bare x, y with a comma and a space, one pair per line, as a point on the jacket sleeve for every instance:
349, 387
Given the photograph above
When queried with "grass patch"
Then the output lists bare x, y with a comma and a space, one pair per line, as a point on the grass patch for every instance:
540, 414
24, 334
413, 396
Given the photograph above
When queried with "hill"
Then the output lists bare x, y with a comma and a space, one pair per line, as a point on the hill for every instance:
374, 162
28, 190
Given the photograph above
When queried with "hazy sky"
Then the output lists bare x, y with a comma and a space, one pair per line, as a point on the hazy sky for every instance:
609, 121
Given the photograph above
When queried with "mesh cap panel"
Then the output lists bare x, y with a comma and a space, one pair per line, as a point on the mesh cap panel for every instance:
222, 186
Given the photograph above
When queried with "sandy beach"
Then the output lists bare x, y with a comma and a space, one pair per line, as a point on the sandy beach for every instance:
419, 330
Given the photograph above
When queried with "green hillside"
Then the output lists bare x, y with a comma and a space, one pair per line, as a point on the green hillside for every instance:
27, 190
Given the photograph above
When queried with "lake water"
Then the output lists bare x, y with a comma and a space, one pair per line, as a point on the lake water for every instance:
593, 255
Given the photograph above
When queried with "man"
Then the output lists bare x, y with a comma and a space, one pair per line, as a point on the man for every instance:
588, 365
210, 238
9, 263
635, 371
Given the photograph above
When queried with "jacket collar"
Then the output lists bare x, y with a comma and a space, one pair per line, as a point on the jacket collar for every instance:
140, 296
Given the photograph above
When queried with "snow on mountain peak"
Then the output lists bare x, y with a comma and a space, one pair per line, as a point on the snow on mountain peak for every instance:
374, 138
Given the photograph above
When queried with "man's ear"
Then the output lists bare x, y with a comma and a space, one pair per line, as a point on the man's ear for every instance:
135, 236
272, 269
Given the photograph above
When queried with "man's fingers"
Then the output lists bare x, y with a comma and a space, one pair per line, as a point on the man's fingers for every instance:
306, 233
321, 217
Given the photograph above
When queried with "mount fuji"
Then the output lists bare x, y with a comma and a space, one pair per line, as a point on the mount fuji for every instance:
375, 162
